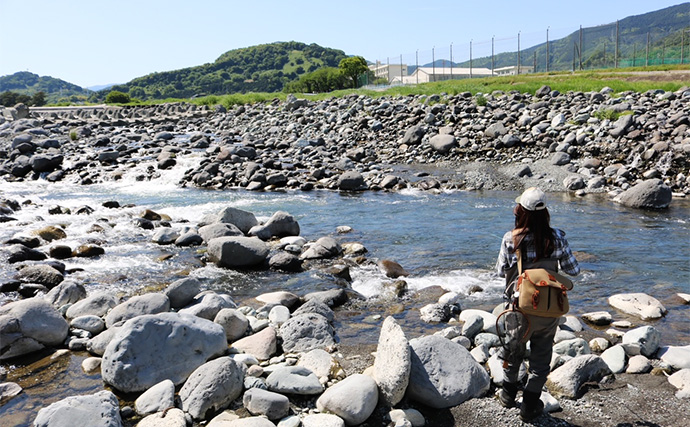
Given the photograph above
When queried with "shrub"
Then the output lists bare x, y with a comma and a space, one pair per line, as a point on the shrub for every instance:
73, 135
481, 100
117, 97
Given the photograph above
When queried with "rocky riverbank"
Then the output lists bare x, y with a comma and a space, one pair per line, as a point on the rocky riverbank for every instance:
579, 142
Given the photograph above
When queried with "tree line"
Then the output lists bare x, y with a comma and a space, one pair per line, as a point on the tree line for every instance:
10, 99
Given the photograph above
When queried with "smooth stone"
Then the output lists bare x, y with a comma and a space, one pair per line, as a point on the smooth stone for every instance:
173, 417
97, 305
98, 410
566, 380
572, 348
241, 219
615, 358
94, 324
182, 292
638, 365
157, 398
644, 340
278, 315
320, 362
488, 318
213, 231
294, 380
234, 252
91, 365
677, 357
638, 304
322, 420
287, 299
261, 345
571, 323
208, 304
352, 399
414, 416
137, 306
681, 381
599, 318
393, 362
264, 402
233, 322
30, 325
599, 344
212, 387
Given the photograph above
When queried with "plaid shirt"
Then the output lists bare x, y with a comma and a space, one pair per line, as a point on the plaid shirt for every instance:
561, 252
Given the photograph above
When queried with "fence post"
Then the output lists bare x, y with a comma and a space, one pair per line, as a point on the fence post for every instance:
433, 63
518, 55
470, 58
682, 44
646, 59
388, 69
416, 64
451, 61
634, 53
492, 55
616, 57
547, 49
401, 71
580, 50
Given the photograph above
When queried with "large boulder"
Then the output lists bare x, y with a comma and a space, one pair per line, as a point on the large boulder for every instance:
241, 219
443, 143
566, 380
649, 194
96, 305
324, 247
30, 325
208, 304
136, 306
261, 345
213, 231
393, 362
43, 274
677, 357
99, 410
212, 386
281, 224
151, 348
182, 292
67, 292
264, 402
638, 304
443, 373
158, 398
644, 340
413, 136
352, 399
237, 252
306, 332
294, 380
351, 181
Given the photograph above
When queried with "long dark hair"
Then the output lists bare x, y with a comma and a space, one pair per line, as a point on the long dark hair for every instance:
536, 223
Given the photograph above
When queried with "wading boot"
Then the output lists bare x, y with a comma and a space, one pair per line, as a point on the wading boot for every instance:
531, 406
506, 395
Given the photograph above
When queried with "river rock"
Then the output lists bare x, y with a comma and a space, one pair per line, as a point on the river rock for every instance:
211, 387
489, 319
638, 365
330, 298
649, 194
599, 318
8, 391
92, 324
677, 357
158, 398
443, 143
320, 363
599, 344
165, 236
615, 358
234, 323
212, 231
98, 410
294, 380
41, 274
208, 304
182, 292
352, 399
136, 306
264, 402
172, 417
190, 238
443, 373
392, 269
148, 349
239, 252
241, 219
20, 253
566, 380
261, 345
288, 299
325, 247
681, 381
30, 325
50, 233
638, 304
572, 348
97, 304
393, 362
644, 340
284, 261
281, 224
304, 332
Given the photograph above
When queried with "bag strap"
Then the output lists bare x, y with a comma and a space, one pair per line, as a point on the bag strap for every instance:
519, 260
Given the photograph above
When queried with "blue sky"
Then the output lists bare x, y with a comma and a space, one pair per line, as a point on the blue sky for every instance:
92, 42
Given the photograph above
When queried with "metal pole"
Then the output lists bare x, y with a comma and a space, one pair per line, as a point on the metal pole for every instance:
534, 67
401, 70
518, 55
451, 60
416, 64
682, 44
646, 59
617, 52
388, 69
433, 64
492, 55
470, 58
580, 53
663, 52
547, 49
634, 53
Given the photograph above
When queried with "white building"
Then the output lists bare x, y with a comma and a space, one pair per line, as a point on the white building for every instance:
513, 70
437, 74
388, 71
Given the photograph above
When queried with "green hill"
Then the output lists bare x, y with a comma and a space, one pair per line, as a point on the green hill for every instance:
56, 90
663, 27
262, 68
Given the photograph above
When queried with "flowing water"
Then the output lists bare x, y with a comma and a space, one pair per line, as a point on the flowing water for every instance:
449, 240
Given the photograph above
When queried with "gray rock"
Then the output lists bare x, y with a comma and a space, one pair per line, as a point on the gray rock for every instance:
294, 380
136, 306
97, 410
172, 417
212, 231
8, 391
572, 348
264, 402
649, 194
287, 299
92, 324
413, 136
158, 398
638, 365
644, 340
189, 238
638, 304
241, 219
434, 313
182, 292
261, 345
165, 236
621, 126
560, 159
96, 305
352, 399
30, 325
443, 143
211, 387
495, 130
351, 181
98, 344
281, 224
319, 362
599, 318
42, 274
67, 292
284, 261
306, 332
20, 253
318, 306
615, 358
235, 252
566, 380
677, 357
148, 348
393, 362
325, 247
443, 373
234, 323
208, 304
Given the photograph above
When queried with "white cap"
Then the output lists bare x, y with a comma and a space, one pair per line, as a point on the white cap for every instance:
532, 199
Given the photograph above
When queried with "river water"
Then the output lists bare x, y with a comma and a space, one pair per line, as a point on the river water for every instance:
449, 240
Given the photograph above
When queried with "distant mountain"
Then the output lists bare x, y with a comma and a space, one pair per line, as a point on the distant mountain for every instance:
27, 83
101, 87
663, 28
262, 68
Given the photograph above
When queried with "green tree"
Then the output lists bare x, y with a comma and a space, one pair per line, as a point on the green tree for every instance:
352, 67
117, 97
39, 99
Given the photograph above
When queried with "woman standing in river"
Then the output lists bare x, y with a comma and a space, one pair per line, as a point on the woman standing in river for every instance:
538, 243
